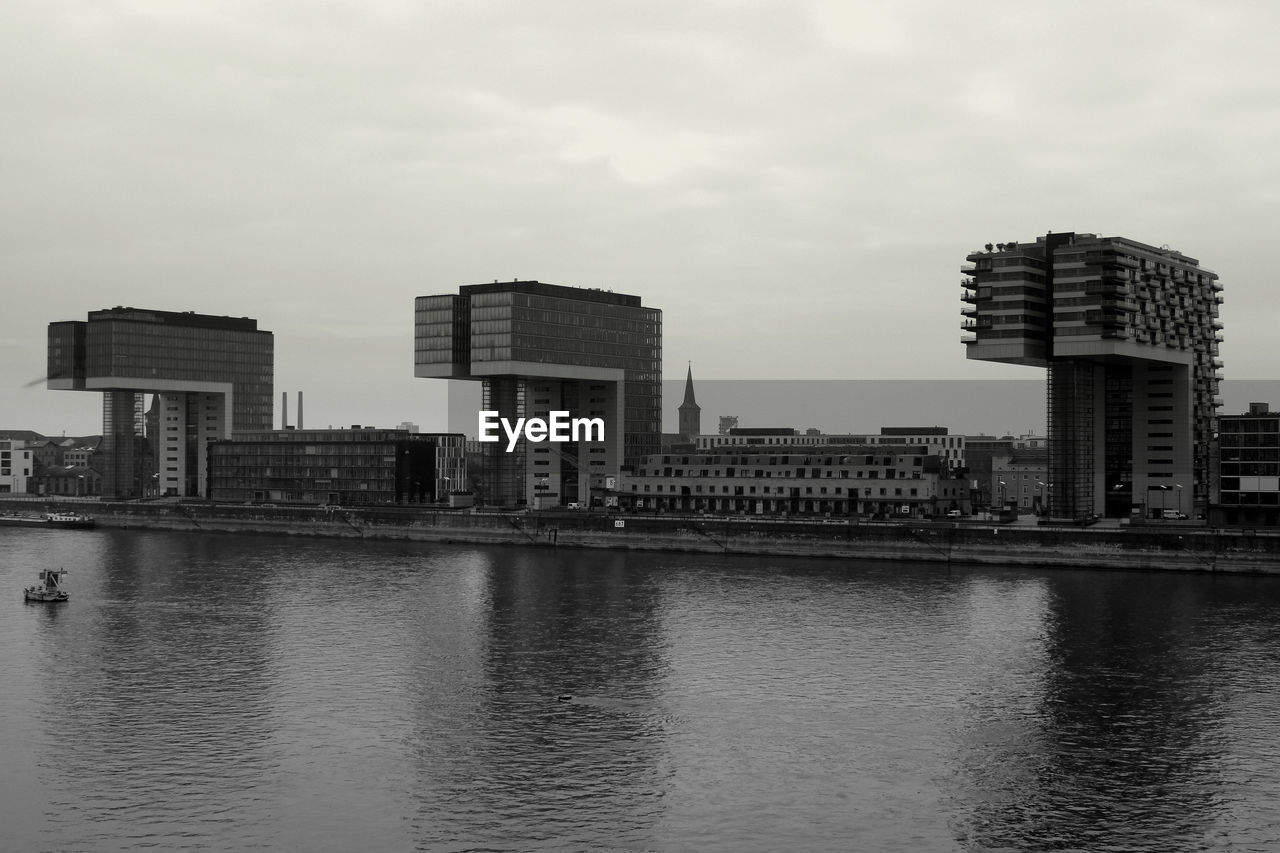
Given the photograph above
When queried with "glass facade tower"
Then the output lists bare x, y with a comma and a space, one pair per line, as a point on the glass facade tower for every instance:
212, 376
539, 348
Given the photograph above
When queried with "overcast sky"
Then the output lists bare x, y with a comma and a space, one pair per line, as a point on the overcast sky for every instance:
795, 184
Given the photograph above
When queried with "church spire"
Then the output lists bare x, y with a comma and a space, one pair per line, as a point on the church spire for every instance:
688, 389
690, 411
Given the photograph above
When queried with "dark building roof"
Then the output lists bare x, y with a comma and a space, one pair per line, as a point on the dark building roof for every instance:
176, 318
933, 430
23, 435
32, 437
332, 436
542, 289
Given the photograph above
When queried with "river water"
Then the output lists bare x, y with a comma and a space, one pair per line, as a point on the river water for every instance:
237, 693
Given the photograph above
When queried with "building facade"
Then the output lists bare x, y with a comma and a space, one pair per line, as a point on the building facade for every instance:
539, 348
81, 455
832, 480
1020, 481
1129, 336
1248, 483
71, 481
343, 467
17, 466
937, 439
210, 376
980, 454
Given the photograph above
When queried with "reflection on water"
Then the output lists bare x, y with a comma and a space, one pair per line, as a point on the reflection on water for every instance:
236, 693
559, 735
1140, 730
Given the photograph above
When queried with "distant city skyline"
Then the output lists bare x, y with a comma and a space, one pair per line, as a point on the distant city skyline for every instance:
1003, 407
791, 183
966, 407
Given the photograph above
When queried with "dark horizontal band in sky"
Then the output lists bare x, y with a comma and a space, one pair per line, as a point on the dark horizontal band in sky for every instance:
964, 406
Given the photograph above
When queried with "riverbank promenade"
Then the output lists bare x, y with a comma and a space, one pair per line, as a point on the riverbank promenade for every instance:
1156, 546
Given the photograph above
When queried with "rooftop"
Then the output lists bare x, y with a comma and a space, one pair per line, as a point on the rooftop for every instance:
582, 294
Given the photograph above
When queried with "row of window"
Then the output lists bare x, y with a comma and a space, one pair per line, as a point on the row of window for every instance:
844, 459
1229, 426
786, 473
780, 490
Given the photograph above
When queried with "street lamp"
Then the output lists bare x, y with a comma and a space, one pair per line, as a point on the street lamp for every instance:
1001, 495
1178, 486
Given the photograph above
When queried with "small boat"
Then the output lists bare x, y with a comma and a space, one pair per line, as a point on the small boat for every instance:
73, 520
62, 520
49, 588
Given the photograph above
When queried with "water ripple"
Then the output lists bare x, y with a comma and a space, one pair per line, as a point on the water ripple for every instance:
248, 693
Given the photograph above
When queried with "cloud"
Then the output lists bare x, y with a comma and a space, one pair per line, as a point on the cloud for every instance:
795, 184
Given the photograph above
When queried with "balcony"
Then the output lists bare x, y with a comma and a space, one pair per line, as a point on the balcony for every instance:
1107, 288
1105, 318
1122, 304
1110, 260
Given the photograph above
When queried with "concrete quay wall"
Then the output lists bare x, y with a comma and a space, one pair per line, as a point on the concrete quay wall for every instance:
1174, 548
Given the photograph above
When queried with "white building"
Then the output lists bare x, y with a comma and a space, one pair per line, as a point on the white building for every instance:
937, 440
15, 466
